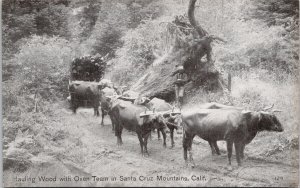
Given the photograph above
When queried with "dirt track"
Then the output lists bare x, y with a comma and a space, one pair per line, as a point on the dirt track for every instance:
100, 156
211, 170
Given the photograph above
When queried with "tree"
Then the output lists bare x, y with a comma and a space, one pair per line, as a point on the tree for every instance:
111, 23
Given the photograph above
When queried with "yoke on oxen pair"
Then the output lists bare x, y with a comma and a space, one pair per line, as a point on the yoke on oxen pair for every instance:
84, 94
235, 126
168, 112
127, 115
109, 94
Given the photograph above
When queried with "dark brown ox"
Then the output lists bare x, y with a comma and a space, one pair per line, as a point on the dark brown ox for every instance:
127, 115
234, 126
85, 94
105, 99
161, 105
213, 105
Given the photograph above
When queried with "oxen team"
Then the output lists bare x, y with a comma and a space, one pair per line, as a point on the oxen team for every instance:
210, 121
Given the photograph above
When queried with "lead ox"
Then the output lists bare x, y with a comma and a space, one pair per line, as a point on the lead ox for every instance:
84, 94
234, 126
213, 105
127, 115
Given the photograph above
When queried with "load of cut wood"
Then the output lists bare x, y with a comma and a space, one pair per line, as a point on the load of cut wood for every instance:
88, 68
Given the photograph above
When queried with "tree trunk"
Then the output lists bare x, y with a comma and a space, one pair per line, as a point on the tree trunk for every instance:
192, 20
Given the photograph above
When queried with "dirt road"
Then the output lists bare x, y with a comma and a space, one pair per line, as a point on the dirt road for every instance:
98, 161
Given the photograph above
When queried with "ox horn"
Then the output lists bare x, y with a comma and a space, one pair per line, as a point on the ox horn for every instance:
268, 108
172, 116
276, 110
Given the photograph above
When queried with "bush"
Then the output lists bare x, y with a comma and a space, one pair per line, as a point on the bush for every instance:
44, 64
274, 49
28, 136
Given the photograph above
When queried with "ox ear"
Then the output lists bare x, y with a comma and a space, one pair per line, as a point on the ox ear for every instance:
268, 108
259, 116
246, 114
276, 110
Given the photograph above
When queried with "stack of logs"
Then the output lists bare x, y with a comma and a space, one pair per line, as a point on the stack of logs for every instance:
88, 68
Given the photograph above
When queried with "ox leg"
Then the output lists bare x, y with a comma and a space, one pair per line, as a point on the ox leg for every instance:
118, 132
213, 151
96, 111
229, 150
164, 137
187, 147
112, 121
145, 143
242, 151
185, 141
172, 137
74, 108
113, 126
216, 147
238, 148
152, 131
158, 134
141, 143
102, 121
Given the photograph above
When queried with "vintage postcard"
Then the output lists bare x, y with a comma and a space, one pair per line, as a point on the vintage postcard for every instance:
189, 93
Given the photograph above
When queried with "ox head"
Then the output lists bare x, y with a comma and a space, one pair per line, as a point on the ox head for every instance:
176, 119
265, 120
154, 121
269, 122
111, 101
173, 118
159, 122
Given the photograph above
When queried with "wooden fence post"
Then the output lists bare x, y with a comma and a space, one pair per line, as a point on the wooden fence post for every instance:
229, 82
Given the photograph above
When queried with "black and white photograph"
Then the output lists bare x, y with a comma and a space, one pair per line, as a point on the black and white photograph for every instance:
150, 93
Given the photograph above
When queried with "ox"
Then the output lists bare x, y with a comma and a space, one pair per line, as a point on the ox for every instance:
84, 94
105, 99
105, 83
127, 115
161, 105
213, 105
234, 126
108, 95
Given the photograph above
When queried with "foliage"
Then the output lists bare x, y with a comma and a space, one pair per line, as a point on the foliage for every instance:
24, 18
109, 27
42, 72
28, 136
83, 18
276, 12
